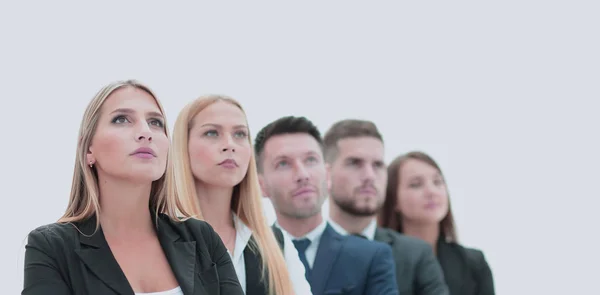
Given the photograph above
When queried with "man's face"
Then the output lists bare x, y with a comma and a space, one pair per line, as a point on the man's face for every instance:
358, 175
294, 176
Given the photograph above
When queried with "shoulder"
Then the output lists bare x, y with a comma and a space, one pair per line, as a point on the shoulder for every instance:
404, 240
365, 246
475, 257
188, 228
53, 236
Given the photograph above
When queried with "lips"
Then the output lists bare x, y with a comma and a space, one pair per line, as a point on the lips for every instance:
229, 163
367, 190
144, 152
302, 191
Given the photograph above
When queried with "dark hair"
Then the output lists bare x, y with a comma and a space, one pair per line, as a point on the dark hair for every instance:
348, 128
284, 125
389, 217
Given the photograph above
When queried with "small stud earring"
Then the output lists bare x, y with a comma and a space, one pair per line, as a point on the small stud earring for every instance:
91, 164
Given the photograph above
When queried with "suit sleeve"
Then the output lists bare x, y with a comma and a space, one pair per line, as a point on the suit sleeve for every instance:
228, 280
485, 280
429, 274
42, 275
382, 273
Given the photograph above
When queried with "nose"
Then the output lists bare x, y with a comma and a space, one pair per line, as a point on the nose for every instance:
144, 133
228, 144
302, 174
368, 173
430, 190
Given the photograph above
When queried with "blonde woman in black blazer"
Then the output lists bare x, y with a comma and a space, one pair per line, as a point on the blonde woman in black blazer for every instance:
120, 233
417, 204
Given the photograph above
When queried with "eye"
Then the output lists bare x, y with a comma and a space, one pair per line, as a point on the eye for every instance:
120, 119
240, 134
281, 164
157, 123
438, 182
414, 184
211, 133
312, 159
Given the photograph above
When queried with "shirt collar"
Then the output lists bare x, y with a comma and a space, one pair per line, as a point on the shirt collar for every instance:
242, 236
368, 232
314, 235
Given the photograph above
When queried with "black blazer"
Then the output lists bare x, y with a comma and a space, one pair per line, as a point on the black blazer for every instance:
255, 283
466, 270
60, 260
417, 270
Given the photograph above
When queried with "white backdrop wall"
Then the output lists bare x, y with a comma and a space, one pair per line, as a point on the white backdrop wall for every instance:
504, 95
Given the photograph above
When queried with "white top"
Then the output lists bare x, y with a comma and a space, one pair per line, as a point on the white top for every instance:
175, 291
290, 254
368, 232
315, 237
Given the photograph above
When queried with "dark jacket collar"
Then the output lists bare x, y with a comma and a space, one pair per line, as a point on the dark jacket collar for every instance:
96, 254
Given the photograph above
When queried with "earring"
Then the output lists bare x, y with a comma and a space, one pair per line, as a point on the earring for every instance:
91, 164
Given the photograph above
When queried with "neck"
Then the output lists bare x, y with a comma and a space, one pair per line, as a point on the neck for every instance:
124, 203
426, 232
351, 223
216, 205
299, 227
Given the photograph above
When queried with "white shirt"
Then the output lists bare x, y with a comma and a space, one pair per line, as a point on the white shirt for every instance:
290, 254
368, 232
175, 291
315, 238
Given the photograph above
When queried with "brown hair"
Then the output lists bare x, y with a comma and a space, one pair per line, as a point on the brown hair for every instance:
348, 128
389, 217
246, 201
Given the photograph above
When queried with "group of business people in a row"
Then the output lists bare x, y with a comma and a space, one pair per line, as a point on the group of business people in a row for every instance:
155, 215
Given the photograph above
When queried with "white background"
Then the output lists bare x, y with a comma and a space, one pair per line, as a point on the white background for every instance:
503, 95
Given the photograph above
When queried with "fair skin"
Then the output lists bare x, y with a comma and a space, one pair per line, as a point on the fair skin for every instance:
130, 119
358, 181
422, 200
220, 154
294, 177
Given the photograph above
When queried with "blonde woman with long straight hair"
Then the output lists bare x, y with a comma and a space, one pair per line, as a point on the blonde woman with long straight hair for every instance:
121, 234
215, 177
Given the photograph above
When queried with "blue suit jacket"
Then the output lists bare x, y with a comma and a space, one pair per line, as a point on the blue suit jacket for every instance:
352, 265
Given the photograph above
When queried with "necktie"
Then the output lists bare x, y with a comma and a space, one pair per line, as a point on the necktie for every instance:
301, 245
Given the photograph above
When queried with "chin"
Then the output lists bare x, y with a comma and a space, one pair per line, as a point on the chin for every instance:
228, 183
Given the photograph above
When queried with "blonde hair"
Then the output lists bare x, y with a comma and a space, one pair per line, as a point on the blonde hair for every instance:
246, 201
84, 199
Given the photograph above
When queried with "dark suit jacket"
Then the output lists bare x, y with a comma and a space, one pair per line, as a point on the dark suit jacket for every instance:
59, 260
351, 265
417, 269
255, 283
466, 270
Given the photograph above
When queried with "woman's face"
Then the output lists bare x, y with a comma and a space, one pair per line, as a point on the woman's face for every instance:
422, 194
219, 145
130, 142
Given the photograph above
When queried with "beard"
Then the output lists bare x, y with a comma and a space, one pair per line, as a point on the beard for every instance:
350, 206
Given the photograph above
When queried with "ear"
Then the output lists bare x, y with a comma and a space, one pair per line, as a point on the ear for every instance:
90, 157
328, 175
261, 182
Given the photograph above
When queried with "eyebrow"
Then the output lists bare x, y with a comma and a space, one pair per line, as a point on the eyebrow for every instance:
219, 126
131, 111
284, 156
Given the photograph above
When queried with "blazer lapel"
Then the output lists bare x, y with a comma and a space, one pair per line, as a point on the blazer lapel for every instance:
180, 254
453, 266
96, 255
327, 253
